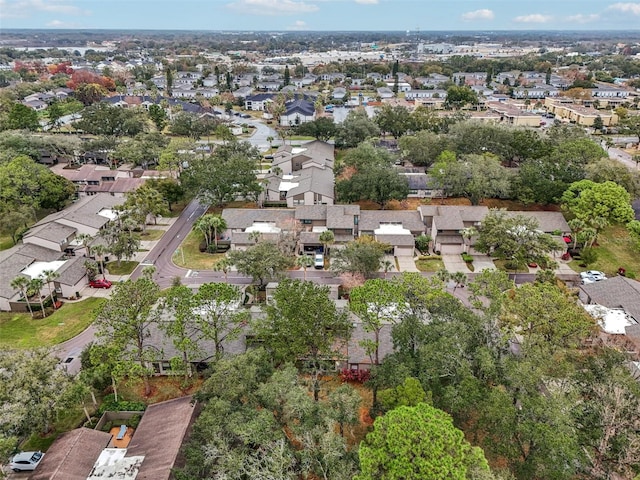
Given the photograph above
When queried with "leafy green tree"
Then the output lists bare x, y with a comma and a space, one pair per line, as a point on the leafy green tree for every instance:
377, 183
158, 116
362, 256
513, 237
55, 113
120, 238
124, 323
589, 200
422, 148
474, 177
146, 202
377, 303
398, 448
366, 156
104, 119
21, 117
545, 315
409, 394
171, 190
90, 93
227, 174
303, 323
220, 316
356, 128
211, 226
192, 126
327, 238
322, 128
606, 169
15, 221
304, 262
460, 96
343, 404
32, 393
393, 119
262, 262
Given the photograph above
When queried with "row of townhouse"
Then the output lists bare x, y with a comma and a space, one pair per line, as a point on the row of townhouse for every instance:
52, 244
444, 224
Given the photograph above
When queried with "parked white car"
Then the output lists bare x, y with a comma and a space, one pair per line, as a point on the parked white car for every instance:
592, 276
25, 461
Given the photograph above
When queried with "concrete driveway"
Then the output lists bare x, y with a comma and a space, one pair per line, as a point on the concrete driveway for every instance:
482, 262
407, 264
454, 263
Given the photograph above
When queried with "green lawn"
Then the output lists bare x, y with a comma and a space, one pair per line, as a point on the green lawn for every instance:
615, 249
193, 258
151, 234
19, 330
126, 267
429, 263
5, 242
69, 419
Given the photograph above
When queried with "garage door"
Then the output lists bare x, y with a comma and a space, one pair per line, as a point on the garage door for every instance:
451, 249
403, 251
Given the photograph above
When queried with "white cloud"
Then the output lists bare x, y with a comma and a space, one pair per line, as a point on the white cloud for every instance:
298, 25
633, 8
61, 24
272, 7
26, 8
581, 18
367, 2
482, 14
533, 18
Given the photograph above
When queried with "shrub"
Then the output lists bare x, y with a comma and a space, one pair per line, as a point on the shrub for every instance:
109, 404
467, 258
352, 375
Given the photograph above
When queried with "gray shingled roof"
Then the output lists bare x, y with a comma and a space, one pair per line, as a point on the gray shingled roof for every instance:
311, 212
397, 240
371, 219
16, 259
547, 221
616, 292
72, 271
313, 179
241, 218
341, 216
85, 211
72, 455
53, 232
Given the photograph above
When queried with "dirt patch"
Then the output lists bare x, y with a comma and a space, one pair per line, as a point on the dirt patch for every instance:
162, 388
414, 203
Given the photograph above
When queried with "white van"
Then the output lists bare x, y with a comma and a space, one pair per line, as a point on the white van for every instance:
318, 261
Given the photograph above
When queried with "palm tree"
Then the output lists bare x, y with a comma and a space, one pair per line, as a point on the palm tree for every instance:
223, 266
304, 261
36, 285
327, 238
85, 239
270, 139
100, 250
576, 225
218, 224
443, 275
467, 233
204, 226
386, 266
48, 276
459, 278
21, 283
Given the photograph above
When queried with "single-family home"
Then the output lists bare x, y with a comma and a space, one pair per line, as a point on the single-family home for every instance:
297, 112
396, 228
308, 186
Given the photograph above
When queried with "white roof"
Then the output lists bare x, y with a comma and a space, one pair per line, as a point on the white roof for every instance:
391, 229
263, 227
319, 229
112, 463
36, 269
297, 150
286, 186
108, 213
611, 320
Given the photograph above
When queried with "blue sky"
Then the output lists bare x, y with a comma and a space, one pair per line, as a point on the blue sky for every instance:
427, 15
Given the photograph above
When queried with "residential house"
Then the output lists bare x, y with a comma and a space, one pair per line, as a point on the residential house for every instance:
84, 454
289, 159
243, 92
421, 185
513, 115
308, 186
243, 224
445, 223
342, 220
385, 92
566, 109
398, 228
297, 112
258, 102
339, 93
